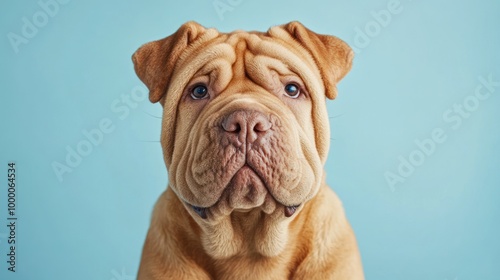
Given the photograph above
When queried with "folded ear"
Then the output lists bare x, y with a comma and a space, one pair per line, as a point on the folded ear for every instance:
332, 55
154, 62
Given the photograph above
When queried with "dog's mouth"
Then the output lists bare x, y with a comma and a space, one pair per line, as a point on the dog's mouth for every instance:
245, 192
202, 211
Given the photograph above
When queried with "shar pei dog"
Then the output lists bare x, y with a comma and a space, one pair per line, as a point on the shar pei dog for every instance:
245, 135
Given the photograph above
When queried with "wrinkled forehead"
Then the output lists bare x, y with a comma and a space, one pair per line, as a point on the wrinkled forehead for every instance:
252, 54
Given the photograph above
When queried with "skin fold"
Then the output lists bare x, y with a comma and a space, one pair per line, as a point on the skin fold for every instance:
245, 136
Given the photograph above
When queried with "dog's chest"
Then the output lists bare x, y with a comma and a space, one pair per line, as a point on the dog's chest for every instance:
251, 269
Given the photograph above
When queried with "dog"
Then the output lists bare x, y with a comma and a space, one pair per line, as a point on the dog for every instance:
245, 135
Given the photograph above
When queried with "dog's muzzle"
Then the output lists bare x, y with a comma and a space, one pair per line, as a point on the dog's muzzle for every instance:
249, 131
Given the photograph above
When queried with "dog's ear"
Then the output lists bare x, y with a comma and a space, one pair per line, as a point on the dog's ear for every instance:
332, 55
154, 62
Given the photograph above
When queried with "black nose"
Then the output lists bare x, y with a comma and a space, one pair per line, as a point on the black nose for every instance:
246, 126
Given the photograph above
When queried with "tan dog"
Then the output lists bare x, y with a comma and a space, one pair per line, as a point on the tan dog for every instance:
245, 135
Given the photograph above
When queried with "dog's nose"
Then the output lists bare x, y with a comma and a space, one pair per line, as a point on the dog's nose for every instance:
246, 125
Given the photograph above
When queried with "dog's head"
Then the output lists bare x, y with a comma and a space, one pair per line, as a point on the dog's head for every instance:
245, 124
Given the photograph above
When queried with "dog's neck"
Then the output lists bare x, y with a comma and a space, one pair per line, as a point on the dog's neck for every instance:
240, 234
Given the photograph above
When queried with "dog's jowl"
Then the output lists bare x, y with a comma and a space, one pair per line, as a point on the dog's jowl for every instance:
245, 136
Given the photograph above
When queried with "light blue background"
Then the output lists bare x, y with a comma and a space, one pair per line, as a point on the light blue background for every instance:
442, 222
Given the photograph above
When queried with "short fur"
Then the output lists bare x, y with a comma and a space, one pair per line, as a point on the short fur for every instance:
246, 155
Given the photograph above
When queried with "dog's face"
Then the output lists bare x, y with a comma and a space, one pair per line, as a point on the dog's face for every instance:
245, 125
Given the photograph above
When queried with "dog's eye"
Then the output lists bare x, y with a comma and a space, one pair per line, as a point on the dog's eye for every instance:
199, 92
292, 90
